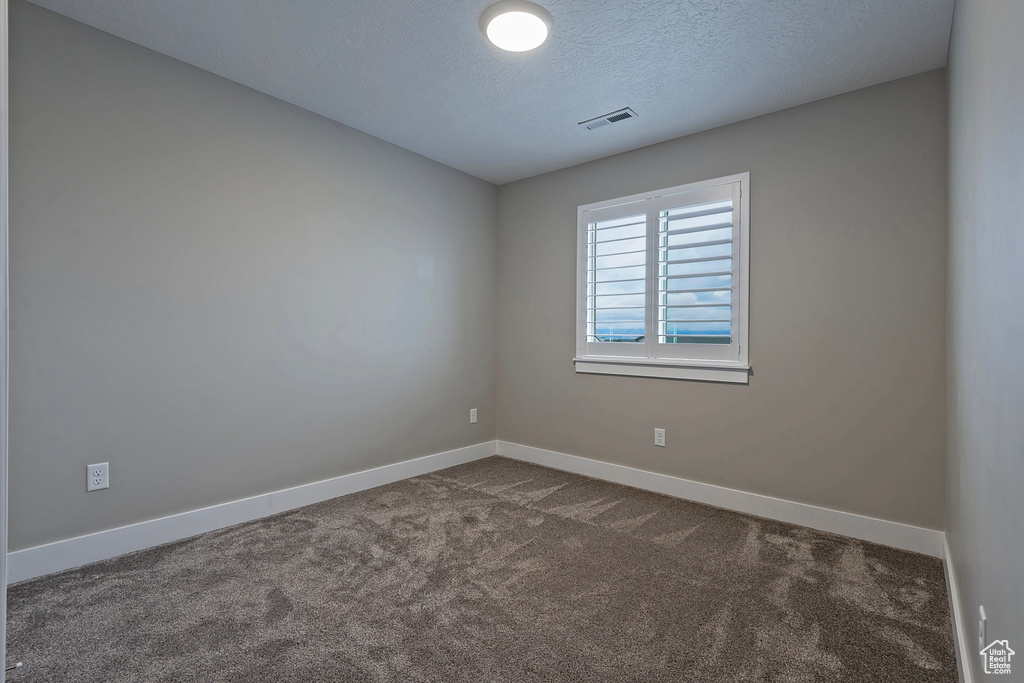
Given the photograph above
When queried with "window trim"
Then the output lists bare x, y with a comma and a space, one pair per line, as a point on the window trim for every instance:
731, 371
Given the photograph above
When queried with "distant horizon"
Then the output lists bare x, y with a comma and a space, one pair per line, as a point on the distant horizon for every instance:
723, 337
694, 333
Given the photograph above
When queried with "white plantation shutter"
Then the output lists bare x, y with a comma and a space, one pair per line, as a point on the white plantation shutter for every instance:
663, 280
617, 279
698, 251
617, 242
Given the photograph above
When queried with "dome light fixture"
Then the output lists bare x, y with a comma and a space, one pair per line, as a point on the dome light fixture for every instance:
516, 25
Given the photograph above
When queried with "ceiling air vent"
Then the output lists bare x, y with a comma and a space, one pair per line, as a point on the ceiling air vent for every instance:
614, 117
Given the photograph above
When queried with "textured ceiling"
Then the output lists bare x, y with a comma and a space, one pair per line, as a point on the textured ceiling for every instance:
419, 74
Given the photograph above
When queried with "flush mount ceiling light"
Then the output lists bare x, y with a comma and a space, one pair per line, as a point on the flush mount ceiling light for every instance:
516, 25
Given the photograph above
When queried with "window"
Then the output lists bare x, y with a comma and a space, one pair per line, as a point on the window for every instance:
663, 281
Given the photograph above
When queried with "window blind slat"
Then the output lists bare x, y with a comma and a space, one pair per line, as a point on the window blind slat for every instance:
723, 250
619, 239
725, 222
683, 298
614, 244
636, 258
685, 239
694, 282
620, 246
618, 222
694, 245
695, 320
621, 232
618, 274
711, 267
692, 275
692, 260
617, 287
693, 291
622, 282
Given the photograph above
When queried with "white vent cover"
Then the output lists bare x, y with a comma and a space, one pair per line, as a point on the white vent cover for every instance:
614, 117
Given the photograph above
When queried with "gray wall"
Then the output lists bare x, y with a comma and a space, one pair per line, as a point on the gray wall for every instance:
222, 294
986, 318
846, 406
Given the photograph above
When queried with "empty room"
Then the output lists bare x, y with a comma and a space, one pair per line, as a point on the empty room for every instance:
510, 341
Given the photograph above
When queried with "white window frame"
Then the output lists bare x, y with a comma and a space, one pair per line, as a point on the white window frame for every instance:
713, 363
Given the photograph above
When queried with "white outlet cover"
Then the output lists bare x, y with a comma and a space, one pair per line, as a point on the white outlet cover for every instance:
659, 437
472, 416
97, 476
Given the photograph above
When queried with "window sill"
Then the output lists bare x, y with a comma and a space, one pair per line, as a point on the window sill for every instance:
709, 371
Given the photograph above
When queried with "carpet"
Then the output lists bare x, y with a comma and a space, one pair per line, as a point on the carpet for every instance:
496, 570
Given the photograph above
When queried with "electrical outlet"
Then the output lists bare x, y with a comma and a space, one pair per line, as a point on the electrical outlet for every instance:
97, 476
982, 628
472, 416
659, 437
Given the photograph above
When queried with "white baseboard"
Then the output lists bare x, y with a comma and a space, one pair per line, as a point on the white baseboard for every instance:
102, 545
893, 534
964, 648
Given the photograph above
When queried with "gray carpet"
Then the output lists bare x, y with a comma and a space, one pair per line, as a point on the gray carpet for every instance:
493, 571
